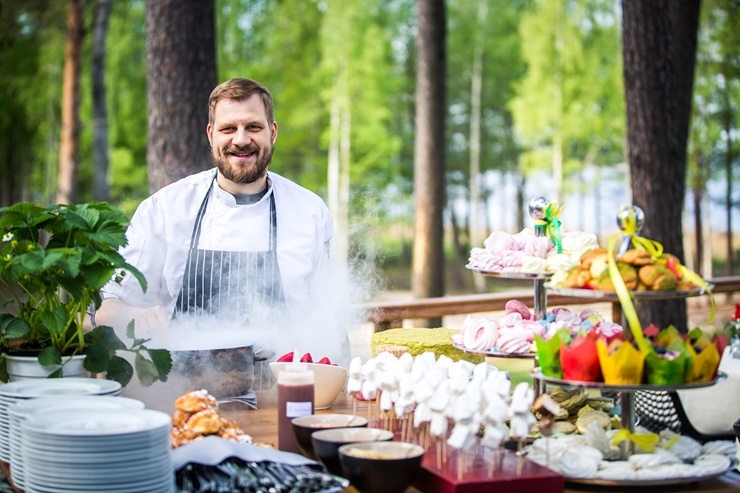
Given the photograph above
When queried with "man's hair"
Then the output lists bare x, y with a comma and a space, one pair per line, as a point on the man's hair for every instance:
240, 89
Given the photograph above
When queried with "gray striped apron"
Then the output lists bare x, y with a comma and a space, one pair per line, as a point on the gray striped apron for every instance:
230, 284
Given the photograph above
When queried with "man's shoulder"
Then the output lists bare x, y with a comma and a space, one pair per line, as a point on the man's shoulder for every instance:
186, 184
288, 187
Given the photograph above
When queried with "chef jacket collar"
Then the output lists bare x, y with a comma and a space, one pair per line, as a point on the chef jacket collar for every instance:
229, 200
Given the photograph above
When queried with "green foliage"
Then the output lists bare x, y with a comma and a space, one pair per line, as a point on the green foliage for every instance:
571, 93
54, 261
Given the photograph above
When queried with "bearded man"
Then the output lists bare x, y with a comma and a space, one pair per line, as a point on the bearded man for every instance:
228, 242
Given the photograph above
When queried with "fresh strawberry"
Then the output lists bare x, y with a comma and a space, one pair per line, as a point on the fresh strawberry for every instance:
286, 358
324, 361
306, 358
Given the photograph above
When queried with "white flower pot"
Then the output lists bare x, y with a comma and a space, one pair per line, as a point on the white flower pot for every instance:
28, 367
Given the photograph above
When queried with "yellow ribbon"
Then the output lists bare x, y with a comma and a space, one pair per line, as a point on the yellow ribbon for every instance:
629, 225
655, 249
672, 441
646, 441
628, 307
552, 223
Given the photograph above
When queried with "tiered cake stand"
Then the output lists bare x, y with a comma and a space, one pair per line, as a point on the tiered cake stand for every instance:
627, 391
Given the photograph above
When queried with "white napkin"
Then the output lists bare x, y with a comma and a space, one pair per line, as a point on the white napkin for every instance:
212, 450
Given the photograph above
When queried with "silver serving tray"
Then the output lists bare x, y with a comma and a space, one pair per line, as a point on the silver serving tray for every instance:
639, 295
511, 274
537, 374
496, 354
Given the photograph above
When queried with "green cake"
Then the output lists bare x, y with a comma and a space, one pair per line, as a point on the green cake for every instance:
418, 341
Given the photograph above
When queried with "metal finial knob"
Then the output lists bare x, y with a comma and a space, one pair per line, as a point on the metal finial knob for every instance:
537, 207
623, 217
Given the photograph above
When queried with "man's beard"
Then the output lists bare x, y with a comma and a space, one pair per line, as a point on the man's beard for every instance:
243, 174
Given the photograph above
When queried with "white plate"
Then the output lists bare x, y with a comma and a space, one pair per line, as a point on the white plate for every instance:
58, 386
90, 423
59, 444
93, 472
40, 485
31, 407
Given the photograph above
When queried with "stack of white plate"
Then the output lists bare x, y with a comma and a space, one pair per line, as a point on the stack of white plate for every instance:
24, 409
30, 389
116, 451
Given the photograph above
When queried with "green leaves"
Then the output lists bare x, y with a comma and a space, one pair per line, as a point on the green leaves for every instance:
13, 328
103, 346
121, 371
55, 321
54, 261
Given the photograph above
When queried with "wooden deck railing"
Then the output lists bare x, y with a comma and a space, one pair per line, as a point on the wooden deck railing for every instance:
391, 314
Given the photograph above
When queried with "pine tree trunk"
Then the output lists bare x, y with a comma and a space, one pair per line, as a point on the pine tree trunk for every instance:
101, 189
658, 98
69, 146
181, 73
429, 155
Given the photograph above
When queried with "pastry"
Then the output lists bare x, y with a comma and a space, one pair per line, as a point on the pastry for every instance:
637, 257
577, 278
197, 415
547, 410
589, 416
206, 422
196, 400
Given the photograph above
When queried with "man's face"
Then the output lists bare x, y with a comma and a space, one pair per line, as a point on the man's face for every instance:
241, 139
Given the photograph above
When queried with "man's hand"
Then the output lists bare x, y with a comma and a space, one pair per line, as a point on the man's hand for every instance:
117, 314
150, 319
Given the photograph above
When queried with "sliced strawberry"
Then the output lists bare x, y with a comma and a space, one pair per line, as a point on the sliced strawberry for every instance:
286, 358
306, 358
324, 361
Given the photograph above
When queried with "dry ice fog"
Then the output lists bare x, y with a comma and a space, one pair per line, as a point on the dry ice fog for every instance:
319, 326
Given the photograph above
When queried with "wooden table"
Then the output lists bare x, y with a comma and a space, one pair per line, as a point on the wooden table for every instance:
261, 424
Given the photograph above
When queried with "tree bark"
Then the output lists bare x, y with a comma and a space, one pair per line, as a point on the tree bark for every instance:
101, 190
429, 154
657, 49
181, 73
69, 146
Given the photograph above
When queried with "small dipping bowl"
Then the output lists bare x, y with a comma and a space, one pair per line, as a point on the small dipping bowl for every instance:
381, 467
326, 443
305, 426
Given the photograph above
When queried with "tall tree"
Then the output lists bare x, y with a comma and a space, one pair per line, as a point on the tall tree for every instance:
69, 148
569, 106
429, 153
32, 37
126, 96
658, 73
101, 190
713, 144
181, 73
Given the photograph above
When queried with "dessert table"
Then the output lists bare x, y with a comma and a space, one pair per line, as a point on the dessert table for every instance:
261, 424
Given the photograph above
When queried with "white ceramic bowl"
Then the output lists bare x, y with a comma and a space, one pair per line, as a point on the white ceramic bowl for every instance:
329, 380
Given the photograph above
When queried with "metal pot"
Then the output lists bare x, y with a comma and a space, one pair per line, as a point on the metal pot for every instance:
225, 372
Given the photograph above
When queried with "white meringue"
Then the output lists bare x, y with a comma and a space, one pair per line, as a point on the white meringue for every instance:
580, 462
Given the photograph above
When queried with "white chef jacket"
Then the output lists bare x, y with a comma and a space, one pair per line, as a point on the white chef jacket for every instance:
160, 232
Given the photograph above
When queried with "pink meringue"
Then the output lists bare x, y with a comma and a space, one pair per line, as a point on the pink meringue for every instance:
520, 307
513, 341
479, 334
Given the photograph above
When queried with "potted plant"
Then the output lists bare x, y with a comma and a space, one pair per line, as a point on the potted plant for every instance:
53, 262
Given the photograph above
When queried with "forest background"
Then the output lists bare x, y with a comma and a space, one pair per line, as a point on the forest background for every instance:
534, 105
